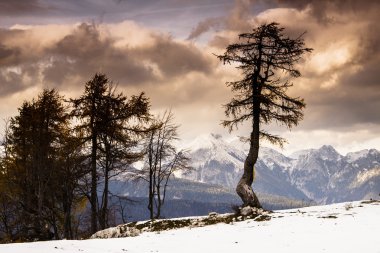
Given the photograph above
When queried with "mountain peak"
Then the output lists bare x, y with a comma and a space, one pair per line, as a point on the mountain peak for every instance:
216, 136
321, 174
206, 141
353, 156
328, 148
362, 154
299, 153
327, 152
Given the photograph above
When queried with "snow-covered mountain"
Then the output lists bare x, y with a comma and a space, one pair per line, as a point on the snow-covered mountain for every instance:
215, 161
322, 175
184, 198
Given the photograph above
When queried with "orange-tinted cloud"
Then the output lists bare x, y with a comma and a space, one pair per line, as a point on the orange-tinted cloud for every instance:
69, 60
339, 80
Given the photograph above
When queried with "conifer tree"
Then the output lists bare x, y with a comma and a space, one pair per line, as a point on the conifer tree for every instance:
34, 141
109, 121
266, 58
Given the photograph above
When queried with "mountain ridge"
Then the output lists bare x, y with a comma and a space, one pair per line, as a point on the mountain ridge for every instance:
322, 175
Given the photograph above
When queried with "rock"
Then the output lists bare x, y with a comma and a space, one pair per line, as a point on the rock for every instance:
130, 232
248, 210
116, 232
212, 214
134, 228
245, 211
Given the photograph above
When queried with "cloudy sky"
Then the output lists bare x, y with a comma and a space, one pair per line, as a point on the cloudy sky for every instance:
166, 48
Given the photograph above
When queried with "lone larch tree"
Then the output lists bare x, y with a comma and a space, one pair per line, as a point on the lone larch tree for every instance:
266, 58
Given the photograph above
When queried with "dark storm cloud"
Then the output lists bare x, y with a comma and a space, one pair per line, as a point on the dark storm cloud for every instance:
71, 60
354, 99
342, 107
147, 11
10, 83
175, 59
7, 54
369, 42
13, 8
126, 65
321, 9
83, 52
17, 48
13, 81
13, 64
21, 7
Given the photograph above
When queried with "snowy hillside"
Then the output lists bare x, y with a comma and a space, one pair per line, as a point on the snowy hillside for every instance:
322, 175
345, 227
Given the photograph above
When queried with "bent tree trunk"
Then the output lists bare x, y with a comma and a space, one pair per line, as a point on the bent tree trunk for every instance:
244, 188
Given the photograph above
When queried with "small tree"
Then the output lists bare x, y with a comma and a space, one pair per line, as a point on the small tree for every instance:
266, 58
162, 160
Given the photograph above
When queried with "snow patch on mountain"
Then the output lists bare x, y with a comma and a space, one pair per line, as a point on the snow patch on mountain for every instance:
322, 174
212, 152
273, 158
353, 156
299, 153
365, 176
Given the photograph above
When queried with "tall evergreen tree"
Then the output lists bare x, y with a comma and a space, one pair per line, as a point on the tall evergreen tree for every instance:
88, 109
35, 137
123, 128
72, 169
267, 60
107, 122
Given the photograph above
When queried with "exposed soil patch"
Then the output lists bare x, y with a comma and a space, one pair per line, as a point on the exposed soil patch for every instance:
135, 228
328, 217
372, 201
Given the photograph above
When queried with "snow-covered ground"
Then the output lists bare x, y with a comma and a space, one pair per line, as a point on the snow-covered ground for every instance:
345, 227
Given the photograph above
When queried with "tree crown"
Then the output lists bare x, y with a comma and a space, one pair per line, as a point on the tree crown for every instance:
263, 56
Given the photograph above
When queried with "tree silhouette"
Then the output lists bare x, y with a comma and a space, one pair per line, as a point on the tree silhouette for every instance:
109, 122
266, 58
162, 160
31, 166
88, 110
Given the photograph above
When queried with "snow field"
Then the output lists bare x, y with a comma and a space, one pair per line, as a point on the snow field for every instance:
344, 227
